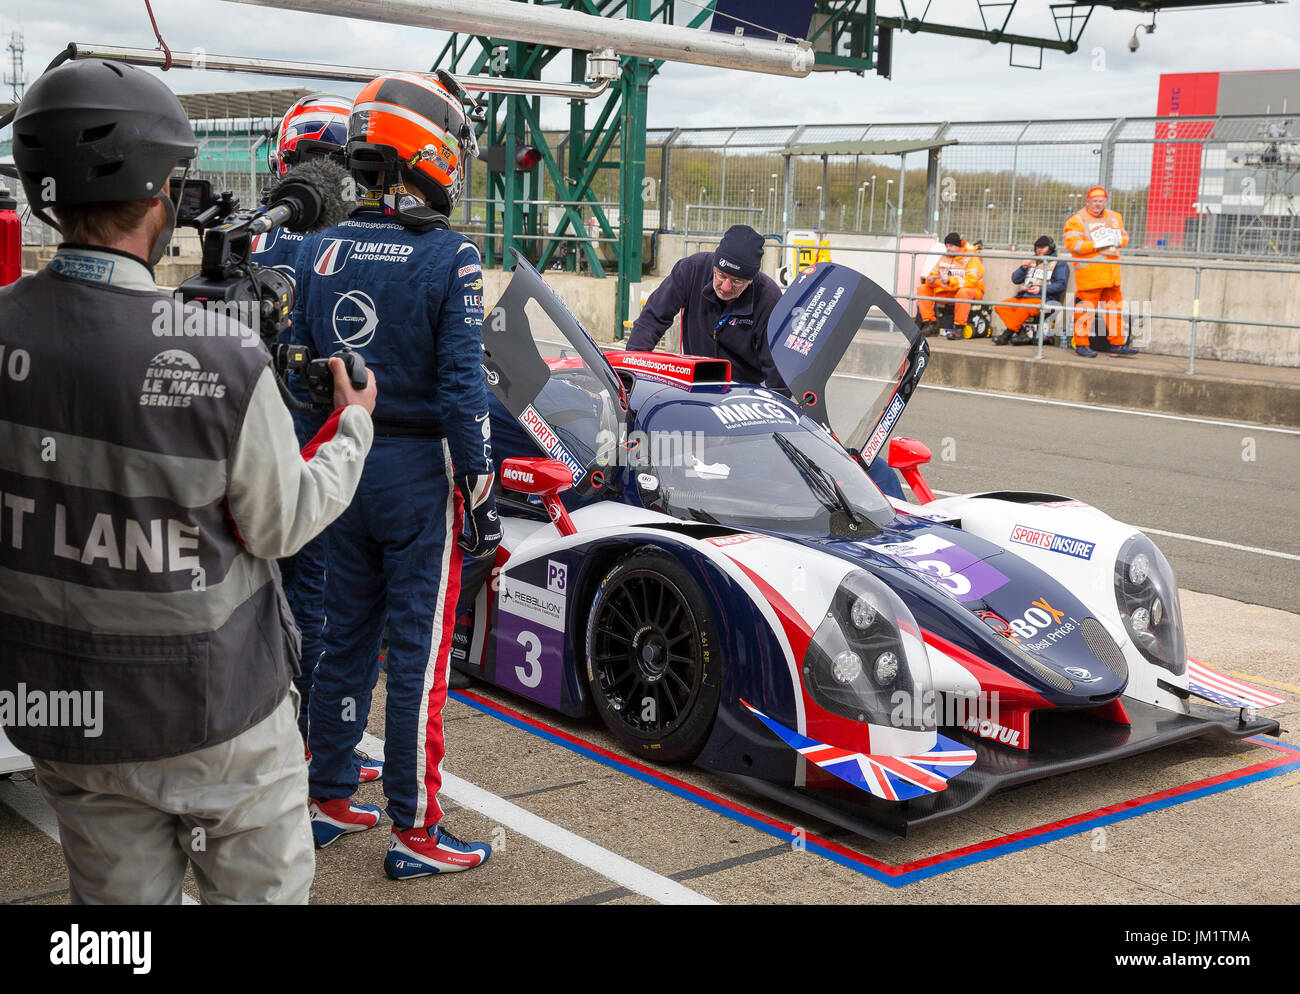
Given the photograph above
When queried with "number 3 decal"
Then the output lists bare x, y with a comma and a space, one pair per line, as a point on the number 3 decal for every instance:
532, 656
955, 582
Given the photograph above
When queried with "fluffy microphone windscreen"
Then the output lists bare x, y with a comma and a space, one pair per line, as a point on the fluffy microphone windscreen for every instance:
316, 181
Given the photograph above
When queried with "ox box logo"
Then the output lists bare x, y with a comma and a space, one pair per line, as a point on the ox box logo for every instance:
332, 256
557, 577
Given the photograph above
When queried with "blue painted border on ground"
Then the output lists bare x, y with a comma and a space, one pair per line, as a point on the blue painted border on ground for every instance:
900, 879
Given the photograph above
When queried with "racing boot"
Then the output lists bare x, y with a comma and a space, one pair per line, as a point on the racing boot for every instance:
1004, 338
371, 769
423, 852
339, 816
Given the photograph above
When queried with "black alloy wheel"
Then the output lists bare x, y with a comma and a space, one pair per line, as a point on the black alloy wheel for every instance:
652, 657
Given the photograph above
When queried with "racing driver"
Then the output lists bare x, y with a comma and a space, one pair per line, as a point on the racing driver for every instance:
394, 283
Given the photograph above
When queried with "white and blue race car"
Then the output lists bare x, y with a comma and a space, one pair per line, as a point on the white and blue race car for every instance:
709, 568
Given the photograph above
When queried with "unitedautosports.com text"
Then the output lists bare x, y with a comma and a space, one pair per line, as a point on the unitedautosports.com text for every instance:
26, 708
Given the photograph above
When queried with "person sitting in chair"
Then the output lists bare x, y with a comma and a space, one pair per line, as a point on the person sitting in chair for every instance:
1030, 278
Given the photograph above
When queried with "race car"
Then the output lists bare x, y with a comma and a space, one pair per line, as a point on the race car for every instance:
708, 567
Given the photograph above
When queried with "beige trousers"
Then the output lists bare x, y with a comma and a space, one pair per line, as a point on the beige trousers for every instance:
236, 811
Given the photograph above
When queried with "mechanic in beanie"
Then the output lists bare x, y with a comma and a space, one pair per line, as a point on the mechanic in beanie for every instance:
724, 301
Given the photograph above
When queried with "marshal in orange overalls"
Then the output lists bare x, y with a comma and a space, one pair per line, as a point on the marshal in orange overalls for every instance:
958, 276
1097, 274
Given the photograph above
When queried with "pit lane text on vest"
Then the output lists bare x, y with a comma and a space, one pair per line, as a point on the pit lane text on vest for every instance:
120, 544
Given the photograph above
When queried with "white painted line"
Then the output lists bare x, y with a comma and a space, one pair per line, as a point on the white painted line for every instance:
1086, 407
608, 864
1225, 545
25, 800
1186, 538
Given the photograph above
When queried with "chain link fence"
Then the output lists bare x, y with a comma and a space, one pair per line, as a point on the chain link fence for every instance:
1223, 186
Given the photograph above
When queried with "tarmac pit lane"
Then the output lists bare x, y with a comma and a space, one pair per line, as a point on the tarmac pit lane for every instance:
1202, 821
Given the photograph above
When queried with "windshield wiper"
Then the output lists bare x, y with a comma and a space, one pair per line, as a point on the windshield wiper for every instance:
824, 480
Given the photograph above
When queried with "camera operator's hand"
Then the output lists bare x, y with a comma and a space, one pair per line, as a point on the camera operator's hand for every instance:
482, 524
345, 393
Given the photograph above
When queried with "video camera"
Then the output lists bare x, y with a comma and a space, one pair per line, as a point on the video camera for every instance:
308, 198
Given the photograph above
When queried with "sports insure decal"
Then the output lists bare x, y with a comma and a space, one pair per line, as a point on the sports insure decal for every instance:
882, 431
1077, 547
530, 635
536, 426
954, 570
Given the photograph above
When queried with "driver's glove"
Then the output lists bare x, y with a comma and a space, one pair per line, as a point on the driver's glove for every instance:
482, 525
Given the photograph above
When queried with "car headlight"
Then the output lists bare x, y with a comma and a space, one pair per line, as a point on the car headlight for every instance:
1147, 596
866, 660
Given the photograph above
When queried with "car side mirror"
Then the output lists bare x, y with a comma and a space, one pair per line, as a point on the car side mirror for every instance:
908, 453
905, 455
544, 478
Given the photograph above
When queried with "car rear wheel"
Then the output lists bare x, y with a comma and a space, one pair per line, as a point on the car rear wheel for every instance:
652, 657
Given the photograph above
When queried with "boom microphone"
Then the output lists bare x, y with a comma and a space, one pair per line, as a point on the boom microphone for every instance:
308, 198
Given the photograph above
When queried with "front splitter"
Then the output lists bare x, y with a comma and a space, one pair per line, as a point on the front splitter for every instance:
1063, 742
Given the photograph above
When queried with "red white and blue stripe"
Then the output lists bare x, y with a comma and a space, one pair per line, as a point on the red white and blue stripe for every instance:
1214, 686
892, 778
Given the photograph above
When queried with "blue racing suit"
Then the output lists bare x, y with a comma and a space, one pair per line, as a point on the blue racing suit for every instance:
303, 573
410, 301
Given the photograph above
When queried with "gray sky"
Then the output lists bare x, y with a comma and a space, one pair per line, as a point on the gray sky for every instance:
935, 78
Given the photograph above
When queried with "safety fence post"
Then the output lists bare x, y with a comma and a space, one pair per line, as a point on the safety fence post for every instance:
1196, 312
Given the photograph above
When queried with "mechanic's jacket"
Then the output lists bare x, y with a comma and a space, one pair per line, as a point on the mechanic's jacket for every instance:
1038, 272
734, 330
955, 272
1094, 271
150, 475
411, 302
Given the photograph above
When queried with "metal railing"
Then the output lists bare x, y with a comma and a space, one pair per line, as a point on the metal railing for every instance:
1070, 309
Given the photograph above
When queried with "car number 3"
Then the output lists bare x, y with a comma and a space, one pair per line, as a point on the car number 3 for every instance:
955, 583
531, 676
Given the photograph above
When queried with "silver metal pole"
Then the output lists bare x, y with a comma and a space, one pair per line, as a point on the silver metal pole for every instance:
316, 70
871, 221
1196, 315
571, 29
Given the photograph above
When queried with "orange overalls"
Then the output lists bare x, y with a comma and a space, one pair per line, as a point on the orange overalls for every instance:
1096, 278
955, 276
1015, 317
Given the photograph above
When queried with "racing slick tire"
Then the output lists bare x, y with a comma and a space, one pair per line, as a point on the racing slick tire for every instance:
653, 667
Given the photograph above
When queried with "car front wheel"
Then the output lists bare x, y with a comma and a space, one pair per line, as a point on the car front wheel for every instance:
652, 657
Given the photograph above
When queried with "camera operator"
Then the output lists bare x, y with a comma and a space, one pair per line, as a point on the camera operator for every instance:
151, 481
395, 284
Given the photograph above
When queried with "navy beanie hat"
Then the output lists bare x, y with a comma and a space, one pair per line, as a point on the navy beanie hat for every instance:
740, 253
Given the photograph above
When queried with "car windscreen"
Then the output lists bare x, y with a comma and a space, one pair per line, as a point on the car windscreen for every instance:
765, 467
